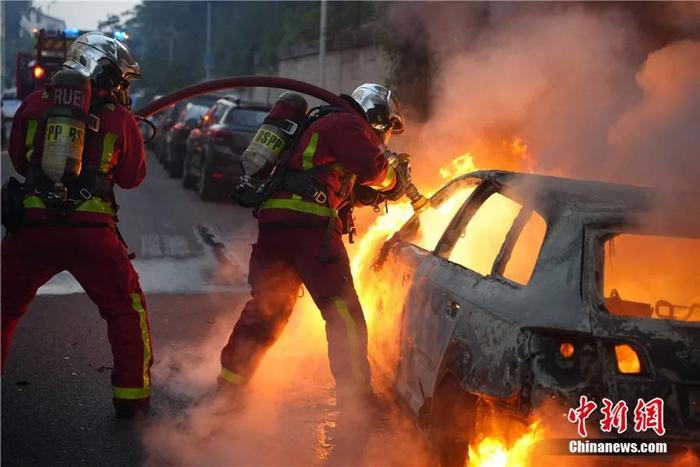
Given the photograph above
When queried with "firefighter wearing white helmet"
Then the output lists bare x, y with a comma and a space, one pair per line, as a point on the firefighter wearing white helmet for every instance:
73, 142
301, 225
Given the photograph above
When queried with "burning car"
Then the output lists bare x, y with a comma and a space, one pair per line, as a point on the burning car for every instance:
517, 289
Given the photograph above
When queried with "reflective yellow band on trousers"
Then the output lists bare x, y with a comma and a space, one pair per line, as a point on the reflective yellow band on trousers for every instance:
387, 182
145, 336
300, 205
231, 377
131, 393
308, 155
351, 330
93, 204
29, 139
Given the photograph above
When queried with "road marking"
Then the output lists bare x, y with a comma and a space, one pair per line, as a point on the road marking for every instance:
175, 245
150, 245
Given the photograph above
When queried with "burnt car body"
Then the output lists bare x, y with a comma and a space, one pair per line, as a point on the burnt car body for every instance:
471, 337
212, 162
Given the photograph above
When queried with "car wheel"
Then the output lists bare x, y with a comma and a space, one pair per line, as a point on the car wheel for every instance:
453, 419
204, 185
188, 181
174, 169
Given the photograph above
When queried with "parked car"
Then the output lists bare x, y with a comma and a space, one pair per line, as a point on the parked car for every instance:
165, 120
213, 158
175, 143
535, 288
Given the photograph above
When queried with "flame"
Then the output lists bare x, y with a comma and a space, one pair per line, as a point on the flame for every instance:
458, 166
493, 451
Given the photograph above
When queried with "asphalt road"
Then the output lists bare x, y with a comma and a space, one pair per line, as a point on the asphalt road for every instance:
192, 259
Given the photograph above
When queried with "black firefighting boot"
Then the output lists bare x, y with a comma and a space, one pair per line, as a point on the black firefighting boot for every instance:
128, 408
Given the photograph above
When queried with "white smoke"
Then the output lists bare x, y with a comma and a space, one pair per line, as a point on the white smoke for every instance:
567, 80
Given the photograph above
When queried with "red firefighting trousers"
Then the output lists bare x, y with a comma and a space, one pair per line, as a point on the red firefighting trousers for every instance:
99, 262
283, 259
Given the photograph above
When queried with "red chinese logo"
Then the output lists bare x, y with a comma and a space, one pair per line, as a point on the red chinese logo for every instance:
614, 416
647, 416
581, 413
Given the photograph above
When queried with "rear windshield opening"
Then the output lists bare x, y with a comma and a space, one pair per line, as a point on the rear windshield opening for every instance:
654, 277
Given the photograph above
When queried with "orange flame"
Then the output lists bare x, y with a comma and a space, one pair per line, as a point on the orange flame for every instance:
493, 452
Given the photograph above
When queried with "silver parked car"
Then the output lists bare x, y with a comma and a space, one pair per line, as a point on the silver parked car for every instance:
534, 288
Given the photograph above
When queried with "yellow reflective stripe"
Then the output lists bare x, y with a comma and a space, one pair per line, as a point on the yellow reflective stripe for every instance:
308, 207
131, 393
338, 168
308, 155
351, 331
231, 376
94, 204
33, 202
107, 150
145, 337
29, 139
387, 182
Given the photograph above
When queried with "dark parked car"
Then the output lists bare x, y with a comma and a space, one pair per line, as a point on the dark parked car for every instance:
175, 139
213, 159
165, 119
523, 289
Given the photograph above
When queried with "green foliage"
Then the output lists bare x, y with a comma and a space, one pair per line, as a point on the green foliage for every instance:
169, 40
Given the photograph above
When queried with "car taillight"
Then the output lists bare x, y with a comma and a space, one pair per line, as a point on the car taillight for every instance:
39, 72
566, 349
628, 361
217, 175
220, 134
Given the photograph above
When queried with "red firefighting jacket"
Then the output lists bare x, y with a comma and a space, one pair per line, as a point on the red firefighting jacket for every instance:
338, 146
118, 145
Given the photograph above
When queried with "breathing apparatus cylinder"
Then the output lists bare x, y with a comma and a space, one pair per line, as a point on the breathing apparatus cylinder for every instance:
66, 122
275, 134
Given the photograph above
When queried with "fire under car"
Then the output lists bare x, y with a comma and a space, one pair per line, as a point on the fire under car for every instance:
521, 288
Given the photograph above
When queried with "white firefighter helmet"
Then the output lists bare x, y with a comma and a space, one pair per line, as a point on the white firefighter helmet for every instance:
381, 108
103, 59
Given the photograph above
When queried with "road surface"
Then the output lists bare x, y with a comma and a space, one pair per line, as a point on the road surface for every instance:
192, 259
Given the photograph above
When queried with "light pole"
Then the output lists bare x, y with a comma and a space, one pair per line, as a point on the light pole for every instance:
208, 59
322, 45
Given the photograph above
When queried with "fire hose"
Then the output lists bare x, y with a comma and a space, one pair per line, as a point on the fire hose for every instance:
418, 201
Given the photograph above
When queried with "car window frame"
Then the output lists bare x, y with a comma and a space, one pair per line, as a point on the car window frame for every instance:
593, 259
465, 214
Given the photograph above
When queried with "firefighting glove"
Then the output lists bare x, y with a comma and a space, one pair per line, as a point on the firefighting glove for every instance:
366, 196
402, 169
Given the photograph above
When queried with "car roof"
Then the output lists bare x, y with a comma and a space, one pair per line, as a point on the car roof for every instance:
655, 209
233, 100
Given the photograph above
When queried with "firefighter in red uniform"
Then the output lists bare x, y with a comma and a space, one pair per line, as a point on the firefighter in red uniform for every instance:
75, 230
300, 240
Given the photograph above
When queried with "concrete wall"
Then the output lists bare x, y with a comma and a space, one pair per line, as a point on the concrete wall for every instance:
345, 70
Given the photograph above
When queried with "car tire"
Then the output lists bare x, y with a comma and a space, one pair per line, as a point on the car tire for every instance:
174, 169
204, 185
453, 422
188, 181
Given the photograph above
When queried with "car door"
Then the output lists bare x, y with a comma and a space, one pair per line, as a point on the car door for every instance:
484, 258
408, 262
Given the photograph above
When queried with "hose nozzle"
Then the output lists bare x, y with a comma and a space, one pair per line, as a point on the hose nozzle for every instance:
419, 203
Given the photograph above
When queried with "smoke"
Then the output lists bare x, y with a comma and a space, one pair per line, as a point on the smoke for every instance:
576, 83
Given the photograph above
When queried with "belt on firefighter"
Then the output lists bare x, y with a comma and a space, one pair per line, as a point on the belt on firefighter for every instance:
304, 184
300, 205
93, 204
